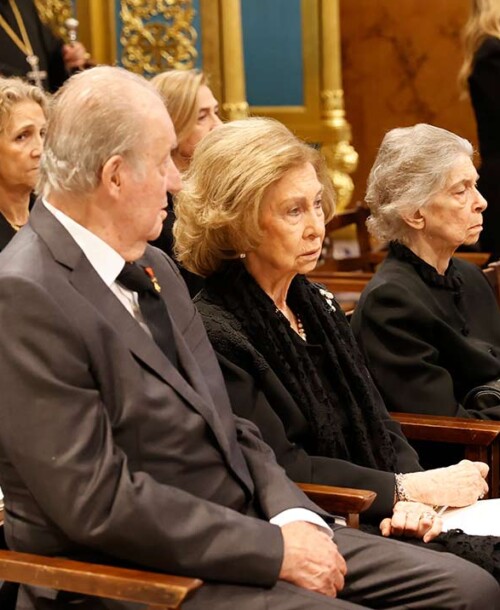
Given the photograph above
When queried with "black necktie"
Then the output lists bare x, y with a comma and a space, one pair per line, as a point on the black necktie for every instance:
154, 311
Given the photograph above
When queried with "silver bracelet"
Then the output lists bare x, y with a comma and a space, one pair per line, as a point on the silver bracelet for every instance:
401, 494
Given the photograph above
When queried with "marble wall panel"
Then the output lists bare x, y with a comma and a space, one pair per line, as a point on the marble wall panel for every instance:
400, 65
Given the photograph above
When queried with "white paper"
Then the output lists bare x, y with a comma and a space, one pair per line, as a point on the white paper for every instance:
481, 518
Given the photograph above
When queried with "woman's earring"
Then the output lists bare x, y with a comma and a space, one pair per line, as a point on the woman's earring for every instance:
243, 255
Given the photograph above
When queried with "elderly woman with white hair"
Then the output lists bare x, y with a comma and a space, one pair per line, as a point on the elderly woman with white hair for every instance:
428, 323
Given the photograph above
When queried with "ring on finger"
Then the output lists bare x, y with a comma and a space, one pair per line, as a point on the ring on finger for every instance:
427, 515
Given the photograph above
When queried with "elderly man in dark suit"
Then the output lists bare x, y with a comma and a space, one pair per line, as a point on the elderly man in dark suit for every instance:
117, 440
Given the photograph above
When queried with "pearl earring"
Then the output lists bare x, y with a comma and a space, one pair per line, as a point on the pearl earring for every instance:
243, 255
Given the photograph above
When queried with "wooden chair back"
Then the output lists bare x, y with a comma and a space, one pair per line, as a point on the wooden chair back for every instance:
354, 217
492, 273
368, 258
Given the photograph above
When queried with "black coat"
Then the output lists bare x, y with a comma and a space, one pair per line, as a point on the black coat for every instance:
484, 86
45, 45
7, 232
165, 241
257, 394
427, 345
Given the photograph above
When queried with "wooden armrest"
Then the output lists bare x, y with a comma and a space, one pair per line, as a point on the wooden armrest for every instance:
340, 500
154, 589
480, 439
460, 430
138, 586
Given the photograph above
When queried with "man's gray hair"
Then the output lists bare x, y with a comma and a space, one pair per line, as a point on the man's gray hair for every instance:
412, 165
91, 118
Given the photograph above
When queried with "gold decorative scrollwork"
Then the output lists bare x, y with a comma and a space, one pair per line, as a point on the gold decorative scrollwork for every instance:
341, 158
54, 13
157, 35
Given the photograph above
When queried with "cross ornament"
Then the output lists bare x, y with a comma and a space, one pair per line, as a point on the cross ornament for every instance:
35, 74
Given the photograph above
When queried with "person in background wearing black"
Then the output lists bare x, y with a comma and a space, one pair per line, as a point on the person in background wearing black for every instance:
22, 129
29, 49
195, 113
480, 75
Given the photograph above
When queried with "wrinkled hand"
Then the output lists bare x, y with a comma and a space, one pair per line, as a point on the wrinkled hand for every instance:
413, 520
311, 559
458, 485
74, 56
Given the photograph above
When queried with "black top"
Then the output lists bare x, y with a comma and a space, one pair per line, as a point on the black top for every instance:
259, 394
45, 45
7, 232
165, 241
429, 339
484, 86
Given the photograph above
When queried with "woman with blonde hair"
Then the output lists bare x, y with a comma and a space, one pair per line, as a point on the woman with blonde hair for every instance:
480, 74
195, 113
22, 129
252, 220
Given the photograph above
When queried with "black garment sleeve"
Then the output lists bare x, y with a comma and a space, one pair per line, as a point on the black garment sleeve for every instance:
250, 402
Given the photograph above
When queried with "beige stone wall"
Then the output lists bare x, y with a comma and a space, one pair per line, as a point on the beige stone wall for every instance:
400, 65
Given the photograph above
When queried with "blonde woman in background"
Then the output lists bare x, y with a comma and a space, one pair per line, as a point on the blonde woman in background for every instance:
195, 113
480, 75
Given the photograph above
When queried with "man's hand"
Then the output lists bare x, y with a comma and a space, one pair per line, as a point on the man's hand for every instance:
414, 520
74, 56
311, 559
458, 485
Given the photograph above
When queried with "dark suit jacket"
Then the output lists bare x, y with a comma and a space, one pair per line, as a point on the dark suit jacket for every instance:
426, 346
105, 448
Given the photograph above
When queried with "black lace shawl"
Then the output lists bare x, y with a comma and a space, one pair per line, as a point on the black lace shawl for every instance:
354, 392
348, 399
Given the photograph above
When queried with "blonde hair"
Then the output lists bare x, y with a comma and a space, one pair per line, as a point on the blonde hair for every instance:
218, 211
412, 165
14, 91
484, 21
179, 91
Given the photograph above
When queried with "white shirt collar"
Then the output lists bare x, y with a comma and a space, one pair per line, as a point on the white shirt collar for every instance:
106, 261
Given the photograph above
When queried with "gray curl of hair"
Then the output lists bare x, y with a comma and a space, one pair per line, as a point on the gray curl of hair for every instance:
412, 165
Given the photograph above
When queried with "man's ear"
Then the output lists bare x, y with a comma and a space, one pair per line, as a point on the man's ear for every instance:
416, 220
112, 174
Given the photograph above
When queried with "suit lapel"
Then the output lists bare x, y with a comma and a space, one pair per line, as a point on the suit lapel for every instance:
86, 280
